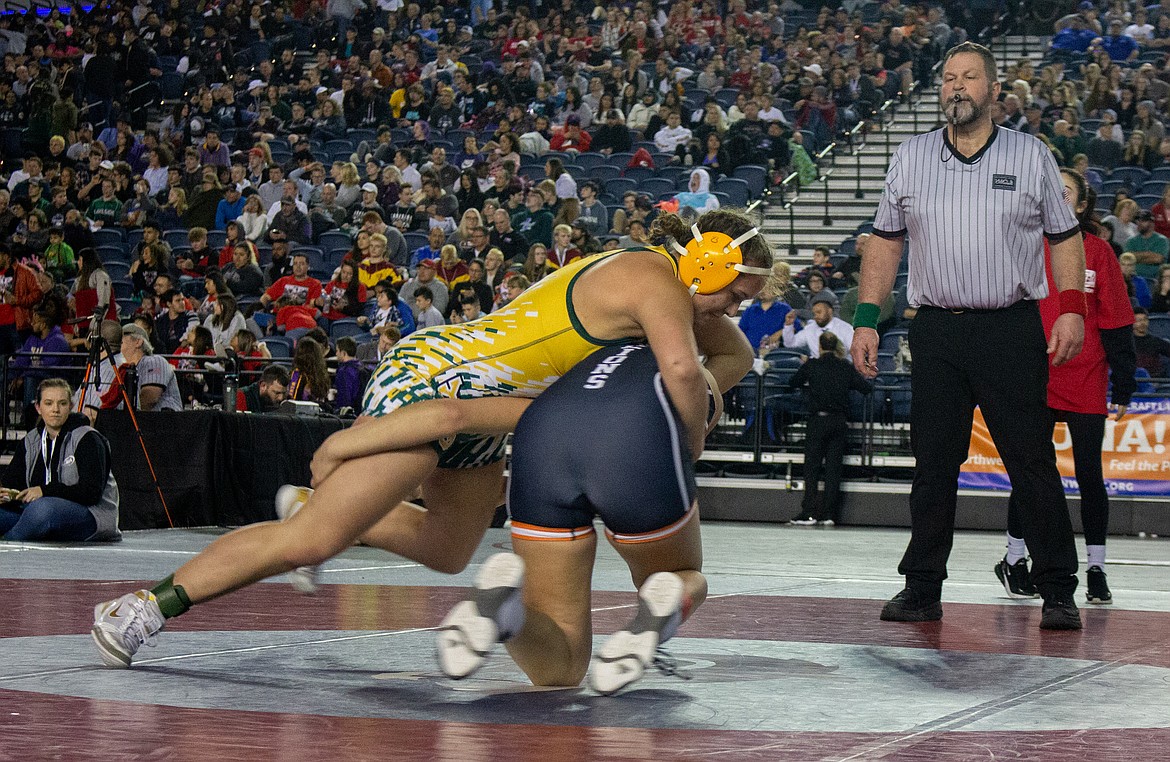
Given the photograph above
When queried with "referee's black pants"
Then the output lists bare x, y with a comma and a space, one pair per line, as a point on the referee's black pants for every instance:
1086, 430
824, 454
996, 359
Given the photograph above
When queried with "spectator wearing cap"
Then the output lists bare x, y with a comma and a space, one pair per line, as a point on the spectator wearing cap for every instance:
156, 388
572, 139
426, 278
1102, 150
368, 203
1151, 248
613, 136
289, 223
1119, 45
534, 222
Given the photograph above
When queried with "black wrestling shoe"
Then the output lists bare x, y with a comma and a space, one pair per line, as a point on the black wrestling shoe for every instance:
1098, 588
1016, 579
912, 606
1060, 613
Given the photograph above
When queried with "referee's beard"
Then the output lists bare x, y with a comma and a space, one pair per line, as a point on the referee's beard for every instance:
966, 112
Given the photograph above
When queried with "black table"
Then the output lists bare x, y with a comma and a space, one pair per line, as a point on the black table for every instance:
215, 468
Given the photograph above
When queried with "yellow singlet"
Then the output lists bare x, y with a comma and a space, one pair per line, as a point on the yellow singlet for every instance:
518, 350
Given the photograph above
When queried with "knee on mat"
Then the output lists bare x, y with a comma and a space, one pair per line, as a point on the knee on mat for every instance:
563, 677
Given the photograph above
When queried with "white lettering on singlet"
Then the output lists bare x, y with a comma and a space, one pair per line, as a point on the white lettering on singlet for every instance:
607, 366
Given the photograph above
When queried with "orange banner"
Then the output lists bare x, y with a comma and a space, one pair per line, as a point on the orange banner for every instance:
1134, 456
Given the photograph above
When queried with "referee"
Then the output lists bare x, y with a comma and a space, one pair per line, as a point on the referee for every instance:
976, 202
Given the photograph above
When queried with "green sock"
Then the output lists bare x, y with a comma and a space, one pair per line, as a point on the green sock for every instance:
172, 598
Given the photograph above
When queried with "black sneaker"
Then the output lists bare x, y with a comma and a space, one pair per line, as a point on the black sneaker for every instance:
912, 606
1060, 613
803, 521
1016, 579
1098, 588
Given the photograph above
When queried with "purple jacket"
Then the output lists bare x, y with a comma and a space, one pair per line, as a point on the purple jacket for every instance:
348, 383
54, 342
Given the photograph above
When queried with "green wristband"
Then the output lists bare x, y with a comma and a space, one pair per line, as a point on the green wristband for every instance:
866, 315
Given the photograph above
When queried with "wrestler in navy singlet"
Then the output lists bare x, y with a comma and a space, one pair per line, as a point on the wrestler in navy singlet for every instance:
604, 441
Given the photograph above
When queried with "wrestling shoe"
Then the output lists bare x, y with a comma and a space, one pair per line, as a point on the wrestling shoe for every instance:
624, 657
289, 500
1098, 591
1060, 613
912, 606
493, 613
122, 626
1016, 579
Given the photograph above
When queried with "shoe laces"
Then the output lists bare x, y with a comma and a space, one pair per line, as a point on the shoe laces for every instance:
135, 628
667, 664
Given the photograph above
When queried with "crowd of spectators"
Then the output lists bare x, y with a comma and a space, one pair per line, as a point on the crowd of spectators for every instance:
368, 169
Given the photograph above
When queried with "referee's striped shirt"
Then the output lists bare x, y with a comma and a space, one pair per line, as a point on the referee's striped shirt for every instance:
975, 225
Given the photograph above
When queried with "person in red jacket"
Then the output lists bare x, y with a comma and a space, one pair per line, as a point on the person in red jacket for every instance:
572, 138
1077, 394
19, 293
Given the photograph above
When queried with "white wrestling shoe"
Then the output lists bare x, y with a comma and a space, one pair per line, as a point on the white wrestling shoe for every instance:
493, 613
289, 500
122, 626
624, 657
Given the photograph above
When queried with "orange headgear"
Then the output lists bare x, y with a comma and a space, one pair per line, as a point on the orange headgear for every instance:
712, 260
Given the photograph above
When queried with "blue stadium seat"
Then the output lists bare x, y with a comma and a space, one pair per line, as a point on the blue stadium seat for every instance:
736, 190
335, 239
109, 254
1152, 187
1131, 176
108, 237
619, 185
176, 238
415, 240
603, 173
133, 238
116, 270
639, 174
280, 347
194, 289
216, 239
1160, 326
315, 256
656, 186
345, 327
1147, 200
755, 176
889, 340
533, 172
589, 160
123, 289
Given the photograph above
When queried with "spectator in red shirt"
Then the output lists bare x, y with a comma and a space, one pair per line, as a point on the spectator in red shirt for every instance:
572, 138
1077, 394
298, 288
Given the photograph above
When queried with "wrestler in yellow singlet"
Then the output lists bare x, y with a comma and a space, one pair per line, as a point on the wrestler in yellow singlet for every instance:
519, 350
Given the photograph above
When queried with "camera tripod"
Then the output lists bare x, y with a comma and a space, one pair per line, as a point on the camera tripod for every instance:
97, 346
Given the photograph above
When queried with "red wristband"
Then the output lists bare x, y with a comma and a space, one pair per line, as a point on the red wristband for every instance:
1073, 301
